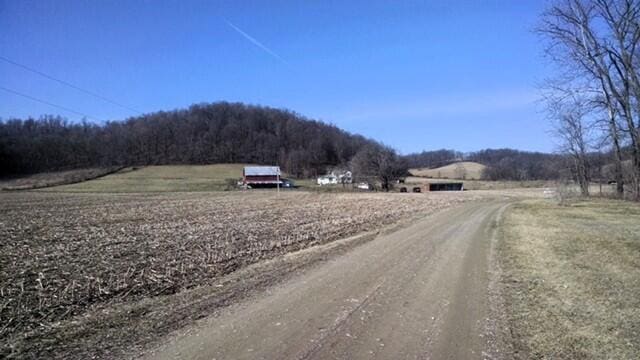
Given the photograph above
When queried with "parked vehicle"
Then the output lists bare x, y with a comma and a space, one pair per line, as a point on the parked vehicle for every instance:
286, 183
417, 189
403, 189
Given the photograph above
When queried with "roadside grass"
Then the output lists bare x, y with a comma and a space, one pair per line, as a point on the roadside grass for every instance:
165, 178
571, 277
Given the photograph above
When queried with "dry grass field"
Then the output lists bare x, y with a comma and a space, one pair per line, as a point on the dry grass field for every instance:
572, 279
165, 178
43, 180
461, 170
66, 256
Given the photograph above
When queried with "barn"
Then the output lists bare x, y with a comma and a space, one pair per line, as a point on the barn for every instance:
261, 176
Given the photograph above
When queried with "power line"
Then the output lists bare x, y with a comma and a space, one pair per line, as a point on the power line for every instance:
25, 67
48, 103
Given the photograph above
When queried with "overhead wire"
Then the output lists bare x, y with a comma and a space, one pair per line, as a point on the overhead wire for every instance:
68, 84
49, 103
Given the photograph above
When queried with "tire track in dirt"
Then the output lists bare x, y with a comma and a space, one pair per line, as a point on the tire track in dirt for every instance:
421, 292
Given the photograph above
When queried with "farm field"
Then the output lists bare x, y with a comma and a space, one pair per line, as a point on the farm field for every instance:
571, 277
163, 178
157, 178
189, 178
47, 179
461, 170
67, 260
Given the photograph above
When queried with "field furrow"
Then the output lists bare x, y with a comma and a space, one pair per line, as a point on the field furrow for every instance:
62, 254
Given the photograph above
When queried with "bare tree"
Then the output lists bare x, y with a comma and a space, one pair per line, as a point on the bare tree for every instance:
203, 133
573, 130
612, 131
596, 41
379, 162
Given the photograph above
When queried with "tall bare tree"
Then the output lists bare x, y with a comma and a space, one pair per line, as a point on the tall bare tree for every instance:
574, 132
597, 41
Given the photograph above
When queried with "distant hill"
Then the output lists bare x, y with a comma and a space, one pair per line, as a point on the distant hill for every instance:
460, 170
501, 164
433, 159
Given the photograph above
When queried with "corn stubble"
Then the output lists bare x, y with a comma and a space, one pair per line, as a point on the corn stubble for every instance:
62, 254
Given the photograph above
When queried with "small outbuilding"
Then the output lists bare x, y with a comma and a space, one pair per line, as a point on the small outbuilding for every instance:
446, 186
261, 176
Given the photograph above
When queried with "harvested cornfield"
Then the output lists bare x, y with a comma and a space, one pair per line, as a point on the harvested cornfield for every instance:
62, 254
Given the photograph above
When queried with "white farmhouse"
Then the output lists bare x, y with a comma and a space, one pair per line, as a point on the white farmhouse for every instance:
327, 180
335, 177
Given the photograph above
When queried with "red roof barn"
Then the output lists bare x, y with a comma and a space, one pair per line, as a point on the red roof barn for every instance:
261, 176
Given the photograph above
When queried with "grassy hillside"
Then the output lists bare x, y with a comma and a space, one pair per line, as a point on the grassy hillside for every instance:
161, 179
460, 170
48, 179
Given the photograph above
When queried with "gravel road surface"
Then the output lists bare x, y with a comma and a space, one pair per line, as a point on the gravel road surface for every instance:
421, 292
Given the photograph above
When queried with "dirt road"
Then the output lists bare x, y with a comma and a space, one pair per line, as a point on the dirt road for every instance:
418, 293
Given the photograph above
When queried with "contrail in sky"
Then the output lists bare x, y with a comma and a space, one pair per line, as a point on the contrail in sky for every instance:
255, 42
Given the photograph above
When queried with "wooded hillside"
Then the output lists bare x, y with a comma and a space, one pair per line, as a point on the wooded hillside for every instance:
202, 134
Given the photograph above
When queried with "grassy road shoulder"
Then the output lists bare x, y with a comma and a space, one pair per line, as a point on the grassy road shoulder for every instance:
571, 278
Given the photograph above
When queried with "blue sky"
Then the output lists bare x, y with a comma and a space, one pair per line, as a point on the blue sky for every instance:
413, 74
